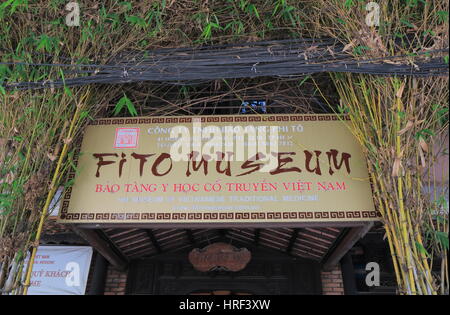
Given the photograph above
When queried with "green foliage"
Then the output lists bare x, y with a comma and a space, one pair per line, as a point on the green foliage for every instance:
441, 114
125, 102
424, 134
209, 27
288, 13
127, 5
442, 16
422, 249
249, 8
306, 78
348, 4
47, 43
137, 21
11, 6
360, 50
10, 191
442, 238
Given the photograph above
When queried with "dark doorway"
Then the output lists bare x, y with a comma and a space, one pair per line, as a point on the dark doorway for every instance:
268, 273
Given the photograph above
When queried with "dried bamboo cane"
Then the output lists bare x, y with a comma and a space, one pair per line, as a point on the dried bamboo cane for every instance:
51, 192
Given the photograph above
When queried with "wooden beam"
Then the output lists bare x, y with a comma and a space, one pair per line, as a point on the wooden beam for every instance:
347, 242
217, 225
154, 241
62, 238
104, 247
222, 234
257, 236
348, 275
292, 240
99, 274
190, 237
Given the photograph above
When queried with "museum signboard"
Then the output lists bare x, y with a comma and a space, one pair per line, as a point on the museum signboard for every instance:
219, 169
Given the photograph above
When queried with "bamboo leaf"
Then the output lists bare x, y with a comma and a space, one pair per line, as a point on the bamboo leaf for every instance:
125, 102
408, 126
131, 109
422, 249
400, 91
423, 144
442, 238
396, 167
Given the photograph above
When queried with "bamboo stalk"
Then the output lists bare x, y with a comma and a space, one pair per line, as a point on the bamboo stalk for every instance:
51, 194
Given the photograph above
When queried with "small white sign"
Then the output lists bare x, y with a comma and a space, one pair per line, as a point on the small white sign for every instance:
60, 270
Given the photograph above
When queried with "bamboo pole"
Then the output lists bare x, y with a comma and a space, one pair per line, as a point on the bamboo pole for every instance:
397, 198
51, 193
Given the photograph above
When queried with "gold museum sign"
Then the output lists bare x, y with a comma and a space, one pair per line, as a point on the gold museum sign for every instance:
219, 169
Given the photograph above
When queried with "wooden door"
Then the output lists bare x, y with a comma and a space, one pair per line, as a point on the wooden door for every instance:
268, 273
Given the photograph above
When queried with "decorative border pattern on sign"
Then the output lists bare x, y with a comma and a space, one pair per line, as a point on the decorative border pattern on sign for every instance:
213, 119
218, 216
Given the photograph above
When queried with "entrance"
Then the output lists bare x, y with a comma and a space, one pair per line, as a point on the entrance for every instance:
268, 273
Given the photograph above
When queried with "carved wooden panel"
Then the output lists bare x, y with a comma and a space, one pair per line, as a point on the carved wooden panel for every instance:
219, 256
